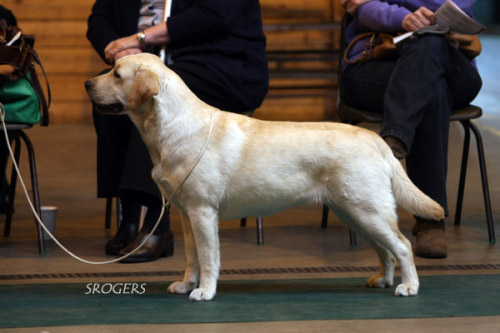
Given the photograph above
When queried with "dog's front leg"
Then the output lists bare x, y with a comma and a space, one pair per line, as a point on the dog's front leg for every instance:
192, 273
204, 223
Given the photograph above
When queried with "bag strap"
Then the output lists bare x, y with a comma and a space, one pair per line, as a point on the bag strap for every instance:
39, 91
366, 54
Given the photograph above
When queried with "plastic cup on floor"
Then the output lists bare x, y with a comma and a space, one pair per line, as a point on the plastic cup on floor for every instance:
48, 217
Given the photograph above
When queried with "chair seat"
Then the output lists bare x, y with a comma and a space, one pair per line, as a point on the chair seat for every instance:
469, 112
349, 114
15, 126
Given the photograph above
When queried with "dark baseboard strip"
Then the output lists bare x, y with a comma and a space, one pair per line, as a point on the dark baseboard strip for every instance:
246, 271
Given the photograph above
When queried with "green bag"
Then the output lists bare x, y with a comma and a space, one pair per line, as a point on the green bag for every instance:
20, 101
20, 91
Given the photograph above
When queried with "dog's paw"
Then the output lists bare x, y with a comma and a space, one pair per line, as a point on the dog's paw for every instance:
201, 295
378, 281
180, 287
407, 289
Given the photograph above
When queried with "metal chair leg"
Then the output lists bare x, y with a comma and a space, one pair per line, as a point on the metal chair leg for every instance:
484, 181
260, 231
109, 212
12, 186
119, 216
352, 238
324, 224
109, 208
463, 171
34, 184
324, 217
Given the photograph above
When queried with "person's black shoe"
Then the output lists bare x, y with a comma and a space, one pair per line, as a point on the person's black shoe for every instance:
123, 237
157, 246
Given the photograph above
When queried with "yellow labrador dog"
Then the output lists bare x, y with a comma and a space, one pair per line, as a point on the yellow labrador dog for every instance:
254, 168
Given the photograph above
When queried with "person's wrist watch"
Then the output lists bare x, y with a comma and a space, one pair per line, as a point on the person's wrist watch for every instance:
141, 37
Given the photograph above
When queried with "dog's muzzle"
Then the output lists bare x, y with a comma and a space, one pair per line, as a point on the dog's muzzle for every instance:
102, 108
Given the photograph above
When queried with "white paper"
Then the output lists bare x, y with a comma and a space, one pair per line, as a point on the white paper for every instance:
16, 37
402, 37
451, 16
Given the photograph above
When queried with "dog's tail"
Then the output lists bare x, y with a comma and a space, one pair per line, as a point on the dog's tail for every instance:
410, 198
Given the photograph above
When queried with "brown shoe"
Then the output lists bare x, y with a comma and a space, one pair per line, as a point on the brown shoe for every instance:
397, 146
431, 240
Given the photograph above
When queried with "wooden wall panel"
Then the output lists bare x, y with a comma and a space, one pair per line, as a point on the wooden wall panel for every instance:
69, 61
60, 26
68, 88
297, 10
300, 39
43, 10
296, 109
58, 34
75, 111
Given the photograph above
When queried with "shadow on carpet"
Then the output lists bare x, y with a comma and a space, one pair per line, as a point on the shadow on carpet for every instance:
36, 305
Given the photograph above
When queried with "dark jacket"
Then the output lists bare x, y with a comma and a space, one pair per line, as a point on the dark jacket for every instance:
225, 36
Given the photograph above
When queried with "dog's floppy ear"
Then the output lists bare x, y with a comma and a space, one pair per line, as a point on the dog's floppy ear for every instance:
146, 84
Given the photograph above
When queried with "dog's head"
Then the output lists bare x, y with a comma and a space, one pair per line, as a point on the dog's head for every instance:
132, 83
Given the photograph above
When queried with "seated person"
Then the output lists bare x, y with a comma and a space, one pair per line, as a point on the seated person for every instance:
417, 92
217, 47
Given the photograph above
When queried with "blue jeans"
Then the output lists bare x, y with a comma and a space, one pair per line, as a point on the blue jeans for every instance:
417, 93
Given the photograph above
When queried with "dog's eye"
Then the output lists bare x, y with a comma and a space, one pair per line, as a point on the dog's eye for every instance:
115, 74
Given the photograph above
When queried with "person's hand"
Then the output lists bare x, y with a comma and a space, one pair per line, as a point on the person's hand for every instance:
121, 47
420, 18
126, 52
352, 5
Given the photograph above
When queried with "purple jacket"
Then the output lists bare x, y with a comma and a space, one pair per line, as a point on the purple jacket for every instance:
387, 16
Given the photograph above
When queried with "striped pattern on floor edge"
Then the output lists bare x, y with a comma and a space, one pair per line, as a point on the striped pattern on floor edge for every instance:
245, 271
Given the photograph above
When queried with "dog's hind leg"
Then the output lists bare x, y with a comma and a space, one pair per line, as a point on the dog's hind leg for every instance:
380, 227
192, 273
409, 278
385, 277
389, 237
204, 224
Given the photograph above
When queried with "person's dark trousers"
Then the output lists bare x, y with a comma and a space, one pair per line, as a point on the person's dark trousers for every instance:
417, 93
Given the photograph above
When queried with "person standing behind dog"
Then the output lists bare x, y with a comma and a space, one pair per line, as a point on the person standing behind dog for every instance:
217, 47
417, 93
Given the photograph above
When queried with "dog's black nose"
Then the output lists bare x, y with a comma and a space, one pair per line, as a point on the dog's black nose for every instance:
88, 84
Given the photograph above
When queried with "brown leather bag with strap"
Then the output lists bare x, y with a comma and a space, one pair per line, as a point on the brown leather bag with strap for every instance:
18, 58
380, 46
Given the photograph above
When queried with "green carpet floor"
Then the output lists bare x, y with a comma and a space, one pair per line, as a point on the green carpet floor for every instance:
35, 305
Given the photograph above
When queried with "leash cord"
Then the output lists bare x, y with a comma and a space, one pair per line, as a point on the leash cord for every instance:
164, 203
